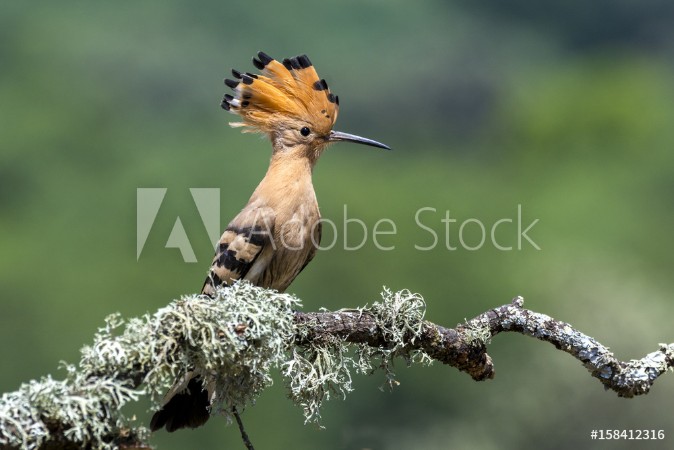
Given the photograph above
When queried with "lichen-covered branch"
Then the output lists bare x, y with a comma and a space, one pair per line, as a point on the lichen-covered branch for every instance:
464, 347
236, 338
626, 378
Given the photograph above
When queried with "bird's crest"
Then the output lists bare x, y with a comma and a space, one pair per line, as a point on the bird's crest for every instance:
290, 89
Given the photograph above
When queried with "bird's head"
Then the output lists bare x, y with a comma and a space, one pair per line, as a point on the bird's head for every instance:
290, 103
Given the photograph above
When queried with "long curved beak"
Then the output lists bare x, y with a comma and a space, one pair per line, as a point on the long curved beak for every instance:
335, 136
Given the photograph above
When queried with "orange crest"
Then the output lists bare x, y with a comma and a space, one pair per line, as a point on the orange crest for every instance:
283, 90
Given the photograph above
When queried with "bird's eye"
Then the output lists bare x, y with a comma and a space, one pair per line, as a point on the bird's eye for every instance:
305, 131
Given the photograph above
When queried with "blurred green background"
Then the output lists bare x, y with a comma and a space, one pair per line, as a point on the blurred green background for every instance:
565, 108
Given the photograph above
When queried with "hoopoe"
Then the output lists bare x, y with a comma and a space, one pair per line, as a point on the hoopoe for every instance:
277, 233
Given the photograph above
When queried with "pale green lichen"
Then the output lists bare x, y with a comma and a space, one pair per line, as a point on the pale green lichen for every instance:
84, 407
477, 333
320, 368
315, 372
237, 337
400, 316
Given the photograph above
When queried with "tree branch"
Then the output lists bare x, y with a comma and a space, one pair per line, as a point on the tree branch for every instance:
239, 336
465, 347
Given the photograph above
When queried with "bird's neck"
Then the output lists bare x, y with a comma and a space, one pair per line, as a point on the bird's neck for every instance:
287, 182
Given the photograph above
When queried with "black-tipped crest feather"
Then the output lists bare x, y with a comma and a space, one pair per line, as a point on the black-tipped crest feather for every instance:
290, 88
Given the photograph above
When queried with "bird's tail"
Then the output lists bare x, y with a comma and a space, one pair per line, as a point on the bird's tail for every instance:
186, 405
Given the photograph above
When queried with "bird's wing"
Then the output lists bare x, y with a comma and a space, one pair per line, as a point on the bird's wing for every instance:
241, 246
318, 233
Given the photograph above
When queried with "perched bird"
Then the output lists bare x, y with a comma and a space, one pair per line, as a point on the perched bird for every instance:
277, 233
